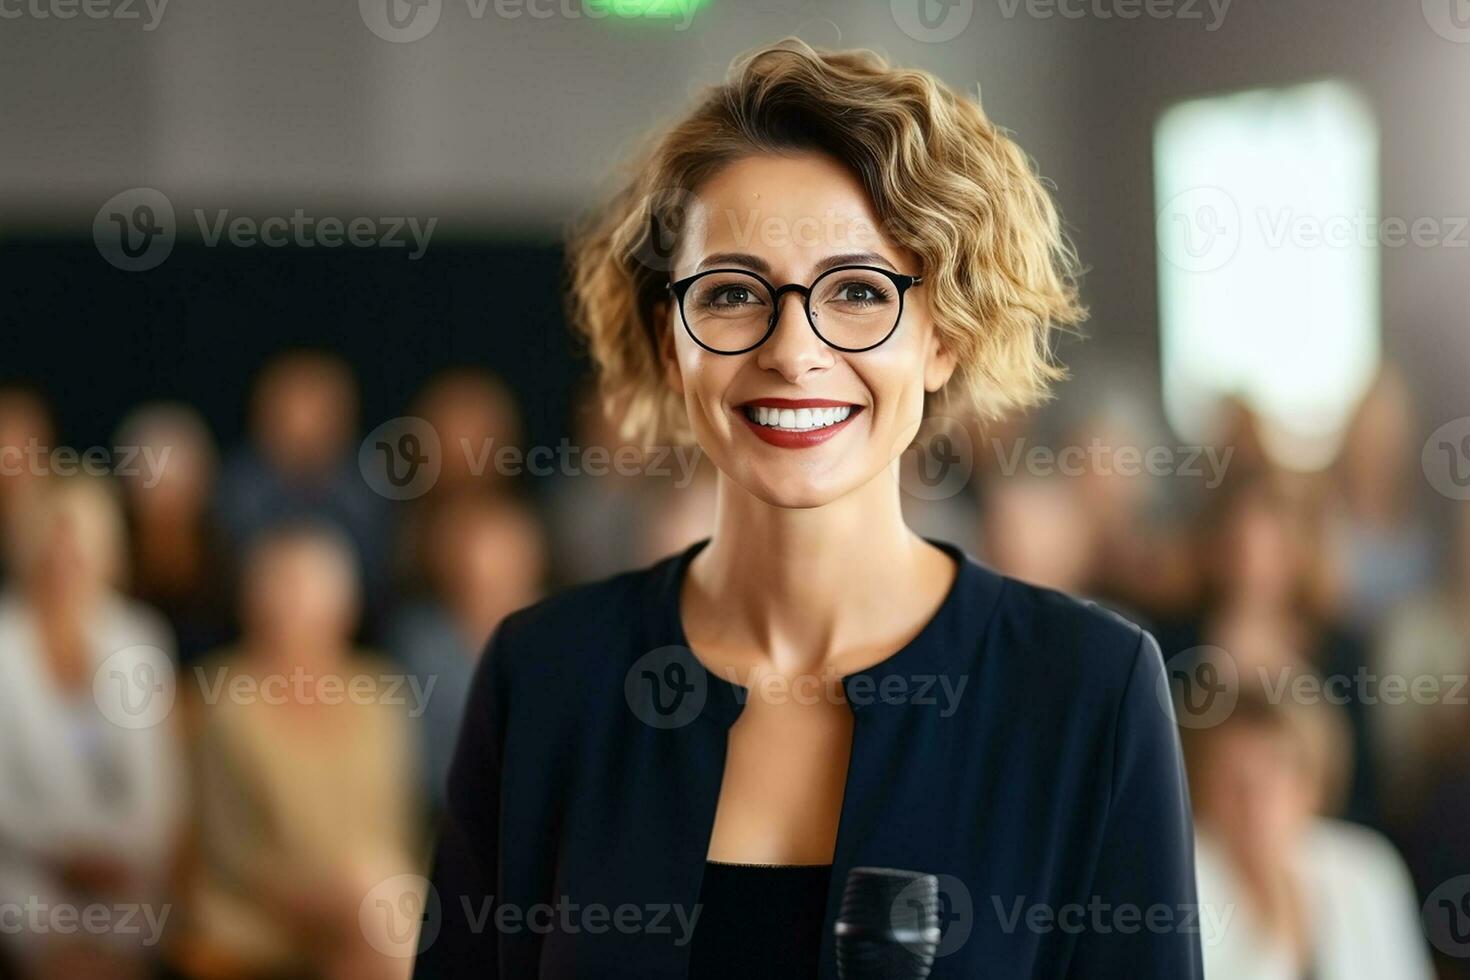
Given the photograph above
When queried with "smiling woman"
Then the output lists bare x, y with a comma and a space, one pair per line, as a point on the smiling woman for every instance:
795, 275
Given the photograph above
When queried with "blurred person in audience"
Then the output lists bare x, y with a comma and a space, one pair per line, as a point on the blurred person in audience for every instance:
487, 560
304, 762
25, 429
475, 415
1142, 559
178, 565
1384, 550
1035, 531
302, 464
940, 475
1238, 429
1437, 844
1285, 893
91, 771
1424, 652
681, 513
597, 512
1261, 558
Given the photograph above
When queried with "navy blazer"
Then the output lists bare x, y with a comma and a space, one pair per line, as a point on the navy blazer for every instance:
1022, 747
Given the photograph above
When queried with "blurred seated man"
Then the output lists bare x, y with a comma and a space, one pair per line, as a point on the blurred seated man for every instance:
487, 559
1424, 649
178, 565
25, 431
307, 802
1284, 893
89, 765
1263, 564
302, 464
1035, 530
475, 416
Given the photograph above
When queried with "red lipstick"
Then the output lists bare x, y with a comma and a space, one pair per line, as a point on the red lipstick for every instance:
790, 438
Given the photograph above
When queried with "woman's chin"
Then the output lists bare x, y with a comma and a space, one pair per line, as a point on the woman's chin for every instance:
793, 490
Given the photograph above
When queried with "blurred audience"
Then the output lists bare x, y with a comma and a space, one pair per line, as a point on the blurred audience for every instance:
474, 416
178, 560
597, 513
89, 762
486, 560
302, 464
308, 797
1036, 531
305, 772
1381, 547
1424, 648
1284, 892
1260, 560
25, 430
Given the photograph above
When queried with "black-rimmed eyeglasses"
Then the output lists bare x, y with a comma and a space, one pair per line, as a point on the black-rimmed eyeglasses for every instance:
852, 308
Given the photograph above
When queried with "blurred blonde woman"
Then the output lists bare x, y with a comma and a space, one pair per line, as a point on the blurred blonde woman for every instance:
89, 768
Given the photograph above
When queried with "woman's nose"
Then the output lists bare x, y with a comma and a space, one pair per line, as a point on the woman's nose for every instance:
793, 347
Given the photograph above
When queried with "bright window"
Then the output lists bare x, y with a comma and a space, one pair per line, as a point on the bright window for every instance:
1268, 234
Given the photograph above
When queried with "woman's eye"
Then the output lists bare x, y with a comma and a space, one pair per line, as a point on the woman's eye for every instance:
859, 292
733, 296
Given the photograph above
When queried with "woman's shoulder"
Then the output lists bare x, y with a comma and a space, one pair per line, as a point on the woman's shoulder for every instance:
585, 626
1068, 638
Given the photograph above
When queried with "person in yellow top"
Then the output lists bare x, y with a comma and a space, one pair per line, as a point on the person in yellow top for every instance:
305, 773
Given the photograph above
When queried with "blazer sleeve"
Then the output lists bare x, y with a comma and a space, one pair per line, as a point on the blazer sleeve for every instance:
1146, 922
458, 938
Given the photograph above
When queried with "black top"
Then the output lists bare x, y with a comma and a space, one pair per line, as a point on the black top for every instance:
1022, 747
759, 920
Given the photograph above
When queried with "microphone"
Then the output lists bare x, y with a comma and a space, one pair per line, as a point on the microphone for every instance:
888, 926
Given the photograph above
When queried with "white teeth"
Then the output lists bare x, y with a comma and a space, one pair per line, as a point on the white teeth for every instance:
798, 420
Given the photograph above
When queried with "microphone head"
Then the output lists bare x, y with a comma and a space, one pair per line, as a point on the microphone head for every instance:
888, 925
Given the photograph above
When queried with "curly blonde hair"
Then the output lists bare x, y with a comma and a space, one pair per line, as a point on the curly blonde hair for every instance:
946, 183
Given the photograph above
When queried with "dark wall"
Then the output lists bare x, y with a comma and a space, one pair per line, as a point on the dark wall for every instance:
99, 340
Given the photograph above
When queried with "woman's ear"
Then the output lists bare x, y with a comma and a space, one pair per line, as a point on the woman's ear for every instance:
668, 355
939, 364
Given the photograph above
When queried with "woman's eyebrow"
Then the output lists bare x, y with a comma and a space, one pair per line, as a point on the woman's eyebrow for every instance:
760, 265
854, 258
745, 259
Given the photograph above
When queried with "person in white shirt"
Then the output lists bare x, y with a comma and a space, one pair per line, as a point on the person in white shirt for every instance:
1285, 892
89, 763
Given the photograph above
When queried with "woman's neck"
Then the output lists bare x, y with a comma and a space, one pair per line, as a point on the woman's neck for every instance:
818, 587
